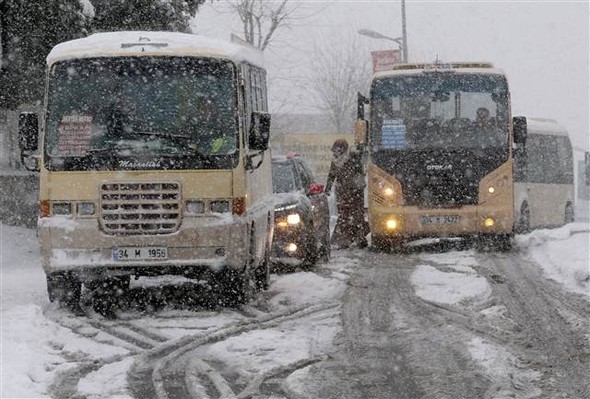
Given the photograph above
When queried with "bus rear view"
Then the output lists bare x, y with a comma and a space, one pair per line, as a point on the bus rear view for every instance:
439, 153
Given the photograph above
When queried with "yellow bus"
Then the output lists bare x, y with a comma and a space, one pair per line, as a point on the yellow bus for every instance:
439, 153
153, 160
543, 174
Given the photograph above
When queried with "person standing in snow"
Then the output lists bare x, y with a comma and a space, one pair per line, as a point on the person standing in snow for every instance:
347, 175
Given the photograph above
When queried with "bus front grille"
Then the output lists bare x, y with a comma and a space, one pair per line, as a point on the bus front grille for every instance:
140, 208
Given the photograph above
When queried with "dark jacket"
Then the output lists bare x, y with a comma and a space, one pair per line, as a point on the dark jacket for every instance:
349, 177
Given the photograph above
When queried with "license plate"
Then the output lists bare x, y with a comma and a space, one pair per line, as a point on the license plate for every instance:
439, 219
139, 253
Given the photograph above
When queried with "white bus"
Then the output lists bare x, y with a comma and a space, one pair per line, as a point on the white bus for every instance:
543, 175
154, 160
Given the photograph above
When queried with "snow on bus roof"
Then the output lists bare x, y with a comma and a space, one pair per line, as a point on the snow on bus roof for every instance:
148, 43
482, 67
545, 126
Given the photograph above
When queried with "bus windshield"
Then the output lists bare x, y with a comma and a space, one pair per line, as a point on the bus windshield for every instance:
142, 113
440, 111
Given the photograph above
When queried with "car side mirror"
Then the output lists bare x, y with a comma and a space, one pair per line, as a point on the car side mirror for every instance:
259, 135
316, 188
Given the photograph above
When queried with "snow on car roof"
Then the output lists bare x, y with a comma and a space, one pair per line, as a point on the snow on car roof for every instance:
140, 44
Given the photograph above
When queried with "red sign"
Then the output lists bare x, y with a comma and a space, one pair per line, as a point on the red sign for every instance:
384, 60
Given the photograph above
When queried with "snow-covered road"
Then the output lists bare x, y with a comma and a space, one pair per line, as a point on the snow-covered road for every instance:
414, 325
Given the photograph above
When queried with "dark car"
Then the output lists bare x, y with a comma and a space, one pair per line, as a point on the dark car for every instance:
302, 217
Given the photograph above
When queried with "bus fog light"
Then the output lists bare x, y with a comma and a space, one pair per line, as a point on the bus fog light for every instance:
391, 224
489, 222
291, 247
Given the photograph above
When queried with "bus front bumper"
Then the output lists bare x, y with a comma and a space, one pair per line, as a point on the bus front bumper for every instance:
451, 222
200, 245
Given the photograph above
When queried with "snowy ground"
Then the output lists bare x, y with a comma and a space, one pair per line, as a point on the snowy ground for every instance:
35, 349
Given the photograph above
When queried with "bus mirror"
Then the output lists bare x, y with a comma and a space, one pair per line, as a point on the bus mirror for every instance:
259, 131
360, 131
28, 132
360, 106
519, 129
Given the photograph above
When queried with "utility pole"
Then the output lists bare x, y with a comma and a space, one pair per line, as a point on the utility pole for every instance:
404, 36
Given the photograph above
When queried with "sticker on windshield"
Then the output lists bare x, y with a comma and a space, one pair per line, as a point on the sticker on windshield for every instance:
393, 133
74, 134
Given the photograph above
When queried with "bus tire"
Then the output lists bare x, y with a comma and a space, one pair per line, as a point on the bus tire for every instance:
569, 213
262, 273
108, 293
381, 243
233, 287
65, 289
524, 220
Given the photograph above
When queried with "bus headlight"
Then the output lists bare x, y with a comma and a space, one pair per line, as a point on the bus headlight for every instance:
220, 206
491, 189
391, 224
61, 208
293, 219
489, 222
195, 206
85, 209
388, 191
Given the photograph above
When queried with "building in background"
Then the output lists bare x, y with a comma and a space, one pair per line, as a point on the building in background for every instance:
309, 135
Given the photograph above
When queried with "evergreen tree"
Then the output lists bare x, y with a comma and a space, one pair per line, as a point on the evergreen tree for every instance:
166, 15
29, 29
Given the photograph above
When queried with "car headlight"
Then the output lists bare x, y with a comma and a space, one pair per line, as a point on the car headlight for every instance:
293, 219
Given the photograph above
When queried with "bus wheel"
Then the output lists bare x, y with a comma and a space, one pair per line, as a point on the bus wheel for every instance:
233, 287
385, 243
262, 272
108, 293
524, 220
494, 242
64, 288
569, 213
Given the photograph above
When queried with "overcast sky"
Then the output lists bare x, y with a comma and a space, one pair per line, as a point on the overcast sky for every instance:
543, 46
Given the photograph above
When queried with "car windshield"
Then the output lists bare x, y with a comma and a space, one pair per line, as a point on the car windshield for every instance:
150, 111
440, 110
283, 178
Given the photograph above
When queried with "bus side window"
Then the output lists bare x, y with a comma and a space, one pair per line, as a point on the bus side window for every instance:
534, 165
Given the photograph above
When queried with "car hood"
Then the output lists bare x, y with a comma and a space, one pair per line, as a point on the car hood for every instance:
284, 199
